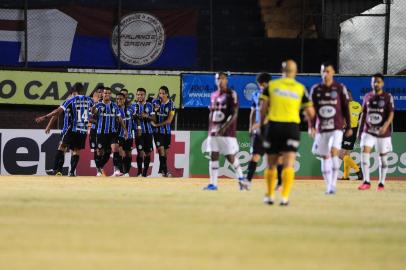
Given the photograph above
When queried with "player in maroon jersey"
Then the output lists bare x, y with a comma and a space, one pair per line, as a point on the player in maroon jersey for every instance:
222, 131
375, 129
330, 100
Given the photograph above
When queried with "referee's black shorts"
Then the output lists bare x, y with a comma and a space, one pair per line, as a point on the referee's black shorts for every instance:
281, 137
348, 143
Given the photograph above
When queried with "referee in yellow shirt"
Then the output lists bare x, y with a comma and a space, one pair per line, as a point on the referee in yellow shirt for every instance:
348, 143
281, 104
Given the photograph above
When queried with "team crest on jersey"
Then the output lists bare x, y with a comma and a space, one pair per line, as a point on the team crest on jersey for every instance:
113, 110
166, 110
381, 103
102, 109
334, 94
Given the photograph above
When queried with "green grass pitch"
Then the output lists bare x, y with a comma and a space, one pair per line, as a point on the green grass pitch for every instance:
131, 223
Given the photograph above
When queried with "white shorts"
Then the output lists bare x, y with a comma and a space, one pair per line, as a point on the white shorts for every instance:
382, 145
223, 145
323, 142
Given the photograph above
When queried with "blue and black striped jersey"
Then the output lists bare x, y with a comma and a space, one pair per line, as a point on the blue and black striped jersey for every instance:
139, 122
107, 115
165, 109
127, 115
78, 109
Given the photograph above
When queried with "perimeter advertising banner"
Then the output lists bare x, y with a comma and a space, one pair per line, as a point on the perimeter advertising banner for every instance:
52, 88
306, 164
197, 88
32, 152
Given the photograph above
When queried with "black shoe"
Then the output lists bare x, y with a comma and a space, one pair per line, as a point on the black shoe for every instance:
360, 175
284, 203
72, 174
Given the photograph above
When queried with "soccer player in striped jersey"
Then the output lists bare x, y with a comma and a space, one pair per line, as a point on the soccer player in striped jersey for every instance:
97, 97
125, 144
77, 114
144, 114
108, 114
165, 112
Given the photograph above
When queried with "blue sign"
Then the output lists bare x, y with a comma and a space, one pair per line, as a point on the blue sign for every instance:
197, 88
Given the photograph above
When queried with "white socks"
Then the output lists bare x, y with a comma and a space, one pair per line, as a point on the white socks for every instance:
383, 168
334, 176
214, 172
365, 166
238, 169
326, 170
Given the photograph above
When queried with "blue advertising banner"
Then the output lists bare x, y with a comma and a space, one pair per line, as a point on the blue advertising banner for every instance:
197, 88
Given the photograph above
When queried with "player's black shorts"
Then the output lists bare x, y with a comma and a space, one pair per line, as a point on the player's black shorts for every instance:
144, 143
93, 138
281, 137
104, 141
74, 140
257, 147
126, 144
348, 143
162, 140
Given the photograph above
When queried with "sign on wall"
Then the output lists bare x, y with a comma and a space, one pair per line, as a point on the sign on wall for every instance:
197, 88
32, 152
52, 88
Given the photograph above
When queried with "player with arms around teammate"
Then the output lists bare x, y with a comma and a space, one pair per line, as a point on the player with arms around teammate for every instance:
144, 115
222, 131
257, 150
376, 120
165, 112
108, 114
77, 114
125, 144
348, 143
330, 100
281, 104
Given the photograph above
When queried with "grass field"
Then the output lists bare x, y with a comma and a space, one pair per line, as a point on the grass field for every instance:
89, 223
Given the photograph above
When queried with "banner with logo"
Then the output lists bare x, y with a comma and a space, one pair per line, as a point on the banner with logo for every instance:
79, 36
32, 152
306, 166
197, 88
52, 88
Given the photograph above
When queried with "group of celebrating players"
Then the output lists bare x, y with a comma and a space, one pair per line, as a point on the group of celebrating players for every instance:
335, 121
113, 127
274, 129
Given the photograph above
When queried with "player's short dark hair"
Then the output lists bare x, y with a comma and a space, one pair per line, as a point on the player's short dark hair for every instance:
141, 90
120, 94
379, 75
107, 88
221, 73
263, 77
77, 87
165, 88
123, 90
328, 63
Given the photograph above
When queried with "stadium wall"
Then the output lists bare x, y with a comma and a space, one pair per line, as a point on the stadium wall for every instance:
31, 152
